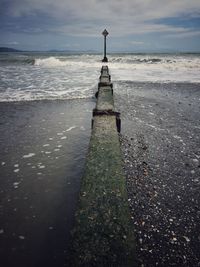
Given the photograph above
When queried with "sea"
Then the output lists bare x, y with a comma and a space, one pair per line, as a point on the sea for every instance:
46, 103
53, 76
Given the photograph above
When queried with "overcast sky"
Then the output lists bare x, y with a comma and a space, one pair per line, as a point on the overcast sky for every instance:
133, 25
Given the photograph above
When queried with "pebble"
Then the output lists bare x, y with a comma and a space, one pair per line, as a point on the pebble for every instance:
21, 237
160, 209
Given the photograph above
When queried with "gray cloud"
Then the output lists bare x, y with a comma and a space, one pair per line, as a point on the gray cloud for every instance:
184, 34
116, 14
87, 18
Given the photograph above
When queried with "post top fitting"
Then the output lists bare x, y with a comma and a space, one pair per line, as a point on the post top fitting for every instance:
105, 33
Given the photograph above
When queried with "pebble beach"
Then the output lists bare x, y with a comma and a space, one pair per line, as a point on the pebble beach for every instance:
161, 150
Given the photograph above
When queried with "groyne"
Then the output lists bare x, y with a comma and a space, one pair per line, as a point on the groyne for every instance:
103, 233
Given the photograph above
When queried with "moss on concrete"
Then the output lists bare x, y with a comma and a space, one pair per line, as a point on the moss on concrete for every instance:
104, 79
103, 233
105, 99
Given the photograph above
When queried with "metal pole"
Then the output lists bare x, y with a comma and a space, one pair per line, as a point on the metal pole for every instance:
105, 33
104, 46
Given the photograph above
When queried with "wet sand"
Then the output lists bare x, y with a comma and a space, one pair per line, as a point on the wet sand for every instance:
43, 145
161, 148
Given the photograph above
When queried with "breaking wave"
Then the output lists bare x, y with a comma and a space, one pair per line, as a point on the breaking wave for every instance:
49, 62
135, 60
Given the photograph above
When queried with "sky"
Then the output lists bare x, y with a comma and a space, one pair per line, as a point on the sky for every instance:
133, 25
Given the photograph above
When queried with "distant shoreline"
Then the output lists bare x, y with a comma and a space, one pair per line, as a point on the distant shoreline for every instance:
7, 49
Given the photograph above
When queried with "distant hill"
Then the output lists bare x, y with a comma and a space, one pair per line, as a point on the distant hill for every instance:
7, 49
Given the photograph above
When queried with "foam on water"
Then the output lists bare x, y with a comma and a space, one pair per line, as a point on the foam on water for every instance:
165, 68
62, 76
30, 155
49, 62
70, 128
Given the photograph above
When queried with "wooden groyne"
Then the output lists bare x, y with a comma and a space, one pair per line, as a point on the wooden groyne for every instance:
103, 233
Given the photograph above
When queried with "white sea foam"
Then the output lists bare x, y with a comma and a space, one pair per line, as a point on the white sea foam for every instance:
41, 167
21, 237
70, 128
29, 155
49, 62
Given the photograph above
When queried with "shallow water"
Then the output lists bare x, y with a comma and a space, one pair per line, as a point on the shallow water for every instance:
43, 150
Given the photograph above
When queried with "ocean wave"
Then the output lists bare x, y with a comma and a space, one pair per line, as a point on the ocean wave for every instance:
135, 60
75, 62
28, 96
17, 60
50, 62
84, 60
162, 65
165, 68
165, 61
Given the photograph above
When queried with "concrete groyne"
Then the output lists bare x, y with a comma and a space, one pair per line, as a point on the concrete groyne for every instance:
103, 233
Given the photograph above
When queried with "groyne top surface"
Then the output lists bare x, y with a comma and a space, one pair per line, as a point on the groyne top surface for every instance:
105, 99
103, 233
